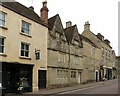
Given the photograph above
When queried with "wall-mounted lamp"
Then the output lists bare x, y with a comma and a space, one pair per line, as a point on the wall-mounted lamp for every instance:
37, 54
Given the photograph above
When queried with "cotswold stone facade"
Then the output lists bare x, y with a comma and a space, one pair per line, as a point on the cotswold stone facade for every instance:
106, 56
90, 61
64, 54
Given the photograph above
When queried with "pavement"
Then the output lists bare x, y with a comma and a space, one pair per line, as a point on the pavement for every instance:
64, 89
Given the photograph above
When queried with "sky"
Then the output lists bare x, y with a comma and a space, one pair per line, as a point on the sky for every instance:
101, 14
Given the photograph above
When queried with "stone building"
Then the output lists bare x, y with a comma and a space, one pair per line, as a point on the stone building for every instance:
90, 60
58, 57
118, 66
64, 54
106, 62
23, 47
75, 48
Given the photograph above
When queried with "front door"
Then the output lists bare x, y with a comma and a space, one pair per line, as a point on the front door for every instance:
79, 77
96, 76
42, 79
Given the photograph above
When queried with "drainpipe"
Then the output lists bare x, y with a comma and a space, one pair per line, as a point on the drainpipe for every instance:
69, 79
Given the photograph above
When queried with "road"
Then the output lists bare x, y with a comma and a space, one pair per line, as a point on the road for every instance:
108, 88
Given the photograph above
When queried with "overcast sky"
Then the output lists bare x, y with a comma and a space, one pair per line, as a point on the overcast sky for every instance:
101, 14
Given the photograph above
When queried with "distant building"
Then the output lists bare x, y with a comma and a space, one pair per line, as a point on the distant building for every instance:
90, 60
118, 65
106, 55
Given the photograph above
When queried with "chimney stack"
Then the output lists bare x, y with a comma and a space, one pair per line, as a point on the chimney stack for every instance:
107, 41
101, 37
68, 24
44, 12
87, 26
31, 7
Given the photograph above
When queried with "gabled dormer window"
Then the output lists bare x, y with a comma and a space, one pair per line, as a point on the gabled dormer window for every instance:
57, 36
25, 28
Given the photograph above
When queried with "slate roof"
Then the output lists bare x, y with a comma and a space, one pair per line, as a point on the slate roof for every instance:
87, 40
69, 33
23, 10
51, 21
99, 39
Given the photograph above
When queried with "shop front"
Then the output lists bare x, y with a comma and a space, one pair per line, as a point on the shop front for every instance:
17, 77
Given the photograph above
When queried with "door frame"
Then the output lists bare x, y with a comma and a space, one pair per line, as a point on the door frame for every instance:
79, 77
42, 79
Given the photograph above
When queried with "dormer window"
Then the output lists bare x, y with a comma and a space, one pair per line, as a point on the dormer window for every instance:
57, 36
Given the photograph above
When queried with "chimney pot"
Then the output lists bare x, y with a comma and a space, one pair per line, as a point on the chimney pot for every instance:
87, 26
44, 12
31, 7
68, 24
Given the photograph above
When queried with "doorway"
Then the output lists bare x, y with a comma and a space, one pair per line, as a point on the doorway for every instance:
96, 76
42, 79
79, 77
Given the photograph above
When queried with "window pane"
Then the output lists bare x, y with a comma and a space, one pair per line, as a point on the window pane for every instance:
26, 53
26, 47
2, 23
23, 24
0, 49
22, 46
22, 53
2, 16
1, 41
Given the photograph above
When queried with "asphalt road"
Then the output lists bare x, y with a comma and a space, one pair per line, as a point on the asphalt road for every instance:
108, 88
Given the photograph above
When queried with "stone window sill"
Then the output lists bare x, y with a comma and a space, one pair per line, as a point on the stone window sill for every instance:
3, 54
25, 34
22, 57
4, 27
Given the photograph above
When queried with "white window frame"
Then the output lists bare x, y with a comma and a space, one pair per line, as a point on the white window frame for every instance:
3, 20
2, 45
25, 30
25, 50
